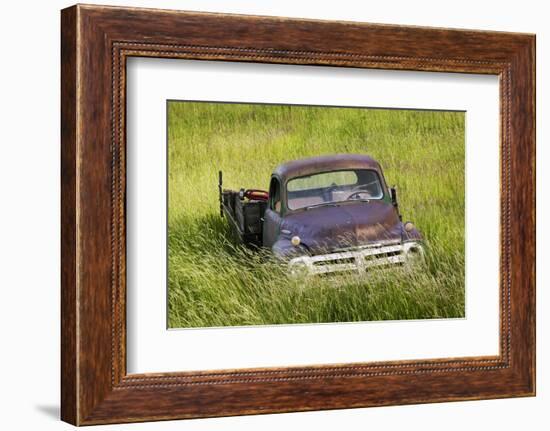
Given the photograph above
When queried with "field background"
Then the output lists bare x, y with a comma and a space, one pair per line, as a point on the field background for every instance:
213, 282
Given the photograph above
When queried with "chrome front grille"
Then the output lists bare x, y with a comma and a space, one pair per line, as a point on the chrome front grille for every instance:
355, 260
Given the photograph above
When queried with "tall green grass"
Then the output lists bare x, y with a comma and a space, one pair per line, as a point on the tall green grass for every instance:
214, 282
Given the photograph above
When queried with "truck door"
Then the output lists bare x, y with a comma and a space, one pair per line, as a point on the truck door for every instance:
272, 215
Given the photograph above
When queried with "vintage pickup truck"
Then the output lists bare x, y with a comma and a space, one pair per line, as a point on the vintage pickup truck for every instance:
324, 214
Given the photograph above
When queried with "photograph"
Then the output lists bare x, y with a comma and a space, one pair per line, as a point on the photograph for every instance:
302, 214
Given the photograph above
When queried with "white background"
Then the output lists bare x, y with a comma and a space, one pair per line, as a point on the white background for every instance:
29, 216
151, 348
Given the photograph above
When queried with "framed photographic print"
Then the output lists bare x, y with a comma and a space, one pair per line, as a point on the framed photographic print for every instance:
265, 215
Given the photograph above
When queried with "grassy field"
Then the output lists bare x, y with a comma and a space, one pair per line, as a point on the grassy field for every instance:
212, 282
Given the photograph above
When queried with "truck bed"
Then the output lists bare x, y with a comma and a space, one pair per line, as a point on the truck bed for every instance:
245, 216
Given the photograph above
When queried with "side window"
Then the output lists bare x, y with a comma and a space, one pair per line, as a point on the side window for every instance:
275, 195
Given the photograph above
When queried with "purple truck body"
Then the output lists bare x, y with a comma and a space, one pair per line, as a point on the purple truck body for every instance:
325, 214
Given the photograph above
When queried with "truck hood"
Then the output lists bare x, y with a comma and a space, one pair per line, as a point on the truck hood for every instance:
328, 228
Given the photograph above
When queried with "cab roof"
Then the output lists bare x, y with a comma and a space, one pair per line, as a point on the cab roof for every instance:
313, 165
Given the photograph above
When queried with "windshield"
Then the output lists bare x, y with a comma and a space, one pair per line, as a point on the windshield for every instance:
333, 188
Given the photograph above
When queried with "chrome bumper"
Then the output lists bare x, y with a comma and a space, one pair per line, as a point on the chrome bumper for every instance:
358, 259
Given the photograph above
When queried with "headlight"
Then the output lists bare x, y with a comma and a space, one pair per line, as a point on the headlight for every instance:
295, 241
409, 226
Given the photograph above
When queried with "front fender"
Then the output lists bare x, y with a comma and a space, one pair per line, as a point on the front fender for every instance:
283, 249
